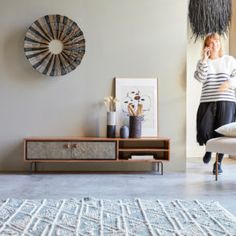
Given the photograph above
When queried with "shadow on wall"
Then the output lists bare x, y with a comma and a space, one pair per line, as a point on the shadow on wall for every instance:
183, 77
12, 158
94, 123
15, 62
93, 168
95, 120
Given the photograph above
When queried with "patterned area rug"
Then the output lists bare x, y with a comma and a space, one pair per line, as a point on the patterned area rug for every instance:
89, 216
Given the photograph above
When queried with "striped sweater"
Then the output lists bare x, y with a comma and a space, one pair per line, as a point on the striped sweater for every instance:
212, 74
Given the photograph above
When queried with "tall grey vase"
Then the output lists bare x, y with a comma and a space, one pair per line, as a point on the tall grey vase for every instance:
111, 124
135, 126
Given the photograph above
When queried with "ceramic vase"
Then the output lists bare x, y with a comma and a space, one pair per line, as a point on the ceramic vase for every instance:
135, 126
124, 132
111, 124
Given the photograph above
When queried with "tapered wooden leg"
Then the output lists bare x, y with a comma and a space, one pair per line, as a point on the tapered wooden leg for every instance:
217, 166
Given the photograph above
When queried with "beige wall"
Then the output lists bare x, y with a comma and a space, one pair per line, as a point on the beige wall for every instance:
135, 38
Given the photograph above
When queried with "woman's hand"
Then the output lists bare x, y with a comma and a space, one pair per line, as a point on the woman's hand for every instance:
206, 54
225, 86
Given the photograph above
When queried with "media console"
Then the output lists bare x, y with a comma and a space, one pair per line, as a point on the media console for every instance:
90, 149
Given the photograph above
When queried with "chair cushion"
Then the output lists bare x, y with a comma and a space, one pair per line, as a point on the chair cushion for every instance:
226, 145
228, 130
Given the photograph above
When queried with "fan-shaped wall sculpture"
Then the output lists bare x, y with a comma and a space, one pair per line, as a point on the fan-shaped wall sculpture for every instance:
54, 45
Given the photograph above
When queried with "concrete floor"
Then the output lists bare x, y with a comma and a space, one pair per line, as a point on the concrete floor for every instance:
197, 183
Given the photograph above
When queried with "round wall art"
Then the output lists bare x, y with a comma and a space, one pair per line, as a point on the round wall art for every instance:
54, 45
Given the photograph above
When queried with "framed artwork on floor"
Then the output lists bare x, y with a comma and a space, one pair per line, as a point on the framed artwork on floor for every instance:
135, 91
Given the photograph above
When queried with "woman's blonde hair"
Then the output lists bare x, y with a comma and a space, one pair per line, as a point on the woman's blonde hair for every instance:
207, 39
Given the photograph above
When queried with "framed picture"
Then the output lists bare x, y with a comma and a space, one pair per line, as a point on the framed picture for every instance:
135, 91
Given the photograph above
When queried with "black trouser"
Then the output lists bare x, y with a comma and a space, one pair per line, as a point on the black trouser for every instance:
212, 115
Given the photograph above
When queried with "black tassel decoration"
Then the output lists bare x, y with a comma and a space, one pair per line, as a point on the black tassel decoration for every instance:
209, 16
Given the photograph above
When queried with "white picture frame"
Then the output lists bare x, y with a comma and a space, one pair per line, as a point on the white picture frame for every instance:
138, 90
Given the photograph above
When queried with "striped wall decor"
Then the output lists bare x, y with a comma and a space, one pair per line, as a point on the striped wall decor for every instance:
46, 31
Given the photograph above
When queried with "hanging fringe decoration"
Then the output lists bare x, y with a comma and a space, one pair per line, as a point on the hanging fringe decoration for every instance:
209, 16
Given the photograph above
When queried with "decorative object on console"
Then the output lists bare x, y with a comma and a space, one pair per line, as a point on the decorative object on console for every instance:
135, 120
110, 103
111, 124
54, 45
135, 126
141, 157
211, 16
138, 97
124, 131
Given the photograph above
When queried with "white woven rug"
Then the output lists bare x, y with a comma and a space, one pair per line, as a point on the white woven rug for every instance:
89, 216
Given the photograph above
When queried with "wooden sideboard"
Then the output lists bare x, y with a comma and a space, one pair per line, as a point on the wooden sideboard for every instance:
90, 149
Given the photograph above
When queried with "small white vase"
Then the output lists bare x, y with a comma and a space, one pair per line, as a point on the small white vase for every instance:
111, 124
111, 118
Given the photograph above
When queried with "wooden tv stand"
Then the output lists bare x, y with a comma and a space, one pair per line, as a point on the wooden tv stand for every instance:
90, 149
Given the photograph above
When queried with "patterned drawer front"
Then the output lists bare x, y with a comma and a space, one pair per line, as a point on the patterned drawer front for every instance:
94, 150
48, 150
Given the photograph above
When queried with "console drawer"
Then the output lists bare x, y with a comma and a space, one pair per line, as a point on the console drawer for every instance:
48, 150
80, 150
89, 150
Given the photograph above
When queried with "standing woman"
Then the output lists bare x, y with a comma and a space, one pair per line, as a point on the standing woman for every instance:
218, 103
